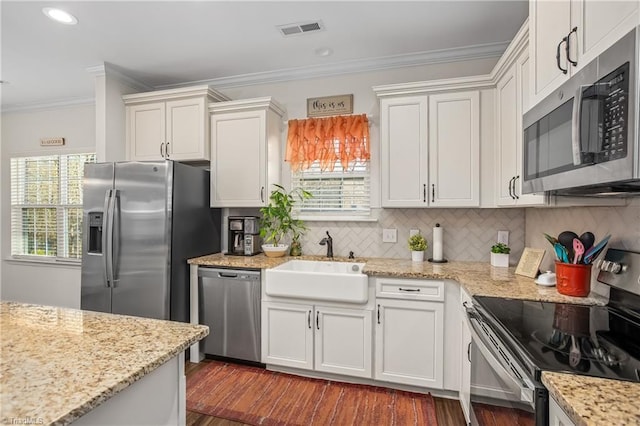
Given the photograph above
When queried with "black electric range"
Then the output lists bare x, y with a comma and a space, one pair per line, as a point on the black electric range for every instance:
600, 341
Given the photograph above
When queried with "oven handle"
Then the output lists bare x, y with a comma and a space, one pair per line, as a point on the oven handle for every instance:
521, 387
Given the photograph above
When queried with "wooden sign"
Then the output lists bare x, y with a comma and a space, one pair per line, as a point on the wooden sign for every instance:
51, 141
330, 105
530, 262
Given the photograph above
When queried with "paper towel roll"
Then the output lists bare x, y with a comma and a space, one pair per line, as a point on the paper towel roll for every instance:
437, 242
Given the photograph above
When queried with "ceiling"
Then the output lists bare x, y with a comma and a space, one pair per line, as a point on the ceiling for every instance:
225, 43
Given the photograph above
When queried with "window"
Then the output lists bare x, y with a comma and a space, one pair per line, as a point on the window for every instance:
46, 205
338, 192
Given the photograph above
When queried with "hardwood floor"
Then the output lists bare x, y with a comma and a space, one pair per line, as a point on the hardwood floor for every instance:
448, 411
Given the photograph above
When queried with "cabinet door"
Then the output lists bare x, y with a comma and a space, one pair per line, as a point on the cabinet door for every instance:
287, 334
454, 149
403, 157
343, 341
508, 136
549, 22
187, 130
146, 131
409, 342
238, 163
599, 25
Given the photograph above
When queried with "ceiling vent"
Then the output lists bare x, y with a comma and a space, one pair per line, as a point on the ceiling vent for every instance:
300, 28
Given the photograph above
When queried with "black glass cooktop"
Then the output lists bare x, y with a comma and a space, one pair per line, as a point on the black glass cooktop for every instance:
591, 340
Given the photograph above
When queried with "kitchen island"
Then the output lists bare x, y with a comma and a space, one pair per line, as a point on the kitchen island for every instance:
65, 365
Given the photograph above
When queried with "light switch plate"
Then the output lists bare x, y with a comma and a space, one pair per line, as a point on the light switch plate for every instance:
390, 235
503, 237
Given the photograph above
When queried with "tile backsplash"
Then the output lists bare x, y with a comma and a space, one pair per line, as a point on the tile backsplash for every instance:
623, 223
468, 233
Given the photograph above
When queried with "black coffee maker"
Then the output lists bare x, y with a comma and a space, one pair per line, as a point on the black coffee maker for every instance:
243, 235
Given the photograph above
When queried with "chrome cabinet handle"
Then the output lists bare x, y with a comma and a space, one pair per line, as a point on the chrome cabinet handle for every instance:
513, 178
378, 314
161, 153
574, 30
318, 320
166, 150
433, 192
564, 70
309, 320
408, 289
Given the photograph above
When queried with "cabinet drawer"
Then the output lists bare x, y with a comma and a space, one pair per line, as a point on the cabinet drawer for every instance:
395, 288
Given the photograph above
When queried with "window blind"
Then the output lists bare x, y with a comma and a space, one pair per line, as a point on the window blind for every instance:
338, 192
46, 205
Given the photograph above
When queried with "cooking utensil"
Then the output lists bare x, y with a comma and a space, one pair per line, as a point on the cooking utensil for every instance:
574, 353
566, 239
552, 240
594, 251
587, 239
561, 252
578, 250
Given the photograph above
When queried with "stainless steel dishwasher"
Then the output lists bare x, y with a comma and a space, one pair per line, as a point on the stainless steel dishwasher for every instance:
230, 306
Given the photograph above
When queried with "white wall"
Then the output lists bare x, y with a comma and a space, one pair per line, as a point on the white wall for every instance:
21, 132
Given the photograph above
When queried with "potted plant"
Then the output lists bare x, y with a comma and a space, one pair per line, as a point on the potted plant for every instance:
417, 245
500, 255
277, 222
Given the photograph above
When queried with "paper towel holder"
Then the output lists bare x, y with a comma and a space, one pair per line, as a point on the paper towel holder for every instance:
443, 260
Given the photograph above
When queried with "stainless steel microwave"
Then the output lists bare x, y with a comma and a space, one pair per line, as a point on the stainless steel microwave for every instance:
583, 138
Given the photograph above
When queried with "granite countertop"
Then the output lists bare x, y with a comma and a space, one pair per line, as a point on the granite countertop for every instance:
58, 364
594, 401
477, 278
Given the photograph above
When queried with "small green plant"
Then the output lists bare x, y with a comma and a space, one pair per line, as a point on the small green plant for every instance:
500, 248
277, 221
417, 243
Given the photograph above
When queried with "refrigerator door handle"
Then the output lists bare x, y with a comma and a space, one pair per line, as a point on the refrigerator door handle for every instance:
115, 237
109, 246
105, 237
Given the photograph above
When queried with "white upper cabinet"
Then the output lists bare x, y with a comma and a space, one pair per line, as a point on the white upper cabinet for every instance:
454, 149
430, 149
403, 134
512, 91
245, 151
567, 34
169, 124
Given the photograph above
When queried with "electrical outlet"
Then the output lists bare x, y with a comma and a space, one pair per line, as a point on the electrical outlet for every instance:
503, 237
413, 232
390, 235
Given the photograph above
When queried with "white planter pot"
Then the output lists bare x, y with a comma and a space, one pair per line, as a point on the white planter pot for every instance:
500, 260
417, 256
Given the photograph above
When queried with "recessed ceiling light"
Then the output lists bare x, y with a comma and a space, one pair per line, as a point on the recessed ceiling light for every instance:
59, 15
324, 51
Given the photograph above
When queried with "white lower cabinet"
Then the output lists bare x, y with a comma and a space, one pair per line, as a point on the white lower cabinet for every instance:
409, 342
315, 337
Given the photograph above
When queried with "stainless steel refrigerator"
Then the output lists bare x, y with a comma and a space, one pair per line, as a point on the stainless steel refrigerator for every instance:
142, 221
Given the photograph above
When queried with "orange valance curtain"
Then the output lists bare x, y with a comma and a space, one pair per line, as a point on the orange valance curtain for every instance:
343, 138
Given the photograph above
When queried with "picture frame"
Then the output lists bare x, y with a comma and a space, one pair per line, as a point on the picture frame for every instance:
530, 261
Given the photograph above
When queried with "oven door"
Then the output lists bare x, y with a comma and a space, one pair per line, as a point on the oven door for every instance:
501, 389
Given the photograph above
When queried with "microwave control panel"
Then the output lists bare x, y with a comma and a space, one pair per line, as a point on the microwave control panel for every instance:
615, 121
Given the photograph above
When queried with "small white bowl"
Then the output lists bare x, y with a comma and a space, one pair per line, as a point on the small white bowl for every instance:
275, 251
547, 279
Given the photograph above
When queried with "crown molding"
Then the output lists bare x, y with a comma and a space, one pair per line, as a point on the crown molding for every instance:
248, 104
62, 103
107, 68
483, 51
519, 43
182, 92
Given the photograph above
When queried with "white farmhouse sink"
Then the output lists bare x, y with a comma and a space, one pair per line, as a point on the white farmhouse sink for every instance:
318, 280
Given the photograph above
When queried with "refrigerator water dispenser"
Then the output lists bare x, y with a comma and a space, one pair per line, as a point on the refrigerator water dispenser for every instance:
95, 232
